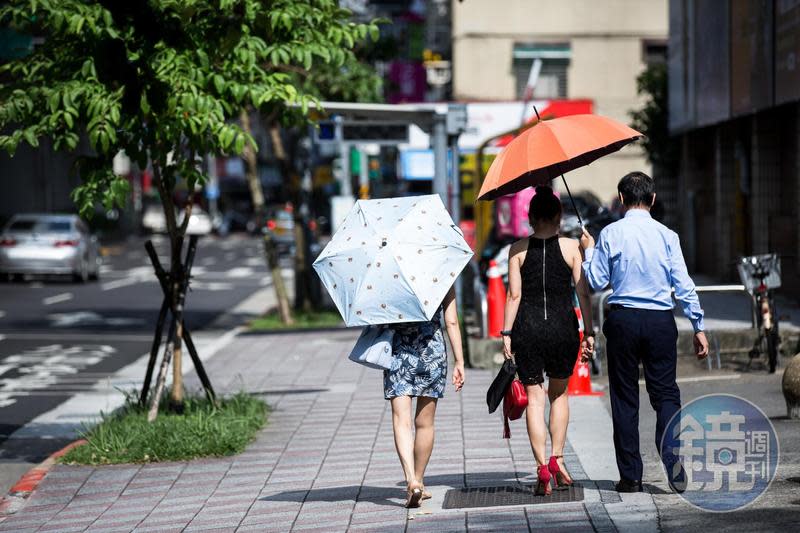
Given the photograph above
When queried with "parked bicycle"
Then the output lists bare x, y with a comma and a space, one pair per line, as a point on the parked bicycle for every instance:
761, 274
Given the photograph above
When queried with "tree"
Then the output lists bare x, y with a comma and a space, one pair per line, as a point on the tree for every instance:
350, 80
163, 81
653, 118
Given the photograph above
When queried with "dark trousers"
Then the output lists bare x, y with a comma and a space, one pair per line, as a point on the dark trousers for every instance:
649, 337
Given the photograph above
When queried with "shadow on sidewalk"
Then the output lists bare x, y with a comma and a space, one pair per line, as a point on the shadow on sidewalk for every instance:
607, 484
380, 495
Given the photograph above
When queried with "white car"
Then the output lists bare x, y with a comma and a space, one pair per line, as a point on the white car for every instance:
199, 222
154, 221
49, 244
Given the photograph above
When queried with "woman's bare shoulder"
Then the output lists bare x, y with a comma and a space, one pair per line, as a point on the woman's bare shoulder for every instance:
570, 248
568, 243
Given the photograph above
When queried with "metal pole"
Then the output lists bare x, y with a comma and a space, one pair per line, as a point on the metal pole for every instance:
345, 187
439, 141
363, 173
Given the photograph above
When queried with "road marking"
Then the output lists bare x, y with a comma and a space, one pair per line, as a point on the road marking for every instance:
64, 337
2, 314
84, 318
694, 379
240, 272
124, 282
36, 285
211, 286
132, 276
63, 297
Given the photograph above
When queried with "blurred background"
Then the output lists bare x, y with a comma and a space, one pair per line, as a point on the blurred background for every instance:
713, 84
424, 108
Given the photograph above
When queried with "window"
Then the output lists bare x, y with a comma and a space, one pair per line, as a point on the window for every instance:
546, 65
654, 52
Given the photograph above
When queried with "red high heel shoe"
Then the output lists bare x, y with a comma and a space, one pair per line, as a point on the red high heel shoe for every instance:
543, 487
561, 477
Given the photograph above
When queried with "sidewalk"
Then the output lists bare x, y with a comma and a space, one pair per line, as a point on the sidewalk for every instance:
326, 461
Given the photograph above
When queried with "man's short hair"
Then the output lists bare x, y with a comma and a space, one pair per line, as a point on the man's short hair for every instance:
637, 188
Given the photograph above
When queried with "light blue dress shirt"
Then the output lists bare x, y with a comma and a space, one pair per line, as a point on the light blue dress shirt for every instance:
642, 260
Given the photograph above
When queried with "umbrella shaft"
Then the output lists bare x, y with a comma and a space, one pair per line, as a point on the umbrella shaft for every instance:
572, 200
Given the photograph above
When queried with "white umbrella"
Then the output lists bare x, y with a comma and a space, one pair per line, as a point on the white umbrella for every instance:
393, 260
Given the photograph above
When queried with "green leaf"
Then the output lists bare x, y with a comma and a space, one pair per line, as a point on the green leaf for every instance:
144, 105
239, 144
219, 83
30, 136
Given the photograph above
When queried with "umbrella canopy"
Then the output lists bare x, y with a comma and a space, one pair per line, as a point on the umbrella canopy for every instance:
550, 149
393, 260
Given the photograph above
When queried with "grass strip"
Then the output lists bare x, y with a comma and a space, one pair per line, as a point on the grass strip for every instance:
302, 320
202, 430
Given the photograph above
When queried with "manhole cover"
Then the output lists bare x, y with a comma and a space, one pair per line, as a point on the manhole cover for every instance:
506, 495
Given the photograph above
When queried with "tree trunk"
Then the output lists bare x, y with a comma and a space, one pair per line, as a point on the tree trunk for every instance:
302, 300
257, 196
173, 349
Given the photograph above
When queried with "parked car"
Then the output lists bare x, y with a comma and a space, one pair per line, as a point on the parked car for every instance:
200, 222
280, 223
49, 244
154, 221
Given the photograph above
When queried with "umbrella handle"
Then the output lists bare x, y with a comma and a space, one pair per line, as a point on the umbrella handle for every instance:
573, 202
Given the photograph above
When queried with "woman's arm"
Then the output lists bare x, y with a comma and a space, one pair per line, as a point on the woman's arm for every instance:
513, 295
582, 288
454, 334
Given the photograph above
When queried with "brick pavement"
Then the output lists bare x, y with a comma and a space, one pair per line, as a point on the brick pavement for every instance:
326, 461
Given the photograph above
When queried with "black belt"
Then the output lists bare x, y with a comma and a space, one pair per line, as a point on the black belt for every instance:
614, 307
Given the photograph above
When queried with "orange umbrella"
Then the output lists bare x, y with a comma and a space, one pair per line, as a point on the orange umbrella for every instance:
551, 148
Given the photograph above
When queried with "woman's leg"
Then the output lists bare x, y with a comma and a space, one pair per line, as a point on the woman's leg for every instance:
534, 416
559, 416
423, 439
403, 437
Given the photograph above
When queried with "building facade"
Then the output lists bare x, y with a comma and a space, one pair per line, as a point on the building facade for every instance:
734, 90
575, 49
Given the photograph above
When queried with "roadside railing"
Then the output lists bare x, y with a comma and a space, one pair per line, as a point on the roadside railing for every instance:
714, 347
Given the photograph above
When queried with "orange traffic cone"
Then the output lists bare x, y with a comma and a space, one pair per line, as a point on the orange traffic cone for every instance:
580, 382
495, 300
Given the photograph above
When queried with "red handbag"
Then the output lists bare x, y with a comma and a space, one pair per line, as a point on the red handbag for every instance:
514, 404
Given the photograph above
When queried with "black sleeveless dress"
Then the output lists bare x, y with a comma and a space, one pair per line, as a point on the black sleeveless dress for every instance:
545, 335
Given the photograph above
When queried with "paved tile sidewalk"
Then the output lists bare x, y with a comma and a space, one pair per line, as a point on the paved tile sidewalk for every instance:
326, 461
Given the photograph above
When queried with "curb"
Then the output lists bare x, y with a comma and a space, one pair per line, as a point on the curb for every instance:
29, 482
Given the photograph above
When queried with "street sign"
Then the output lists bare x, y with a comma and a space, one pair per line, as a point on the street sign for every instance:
362, 132
375, 132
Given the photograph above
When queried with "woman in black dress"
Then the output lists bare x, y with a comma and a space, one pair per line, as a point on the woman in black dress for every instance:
541, 328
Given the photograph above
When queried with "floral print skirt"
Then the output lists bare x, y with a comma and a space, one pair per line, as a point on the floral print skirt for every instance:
419, 367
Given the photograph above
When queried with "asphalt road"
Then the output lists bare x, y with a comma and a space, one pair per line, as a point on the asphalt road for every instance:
58, 338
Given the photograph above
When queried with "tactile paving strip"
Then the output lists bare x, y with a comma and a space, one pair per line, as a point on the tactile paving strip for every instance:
506, 495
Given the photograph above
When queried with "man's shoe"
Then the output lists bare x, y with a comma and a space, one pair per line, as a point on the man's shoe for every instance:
627, 485
676, 477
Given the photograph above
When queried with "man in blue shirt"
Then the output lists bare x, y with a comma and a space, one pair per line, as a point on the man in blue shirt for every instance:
642, 261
